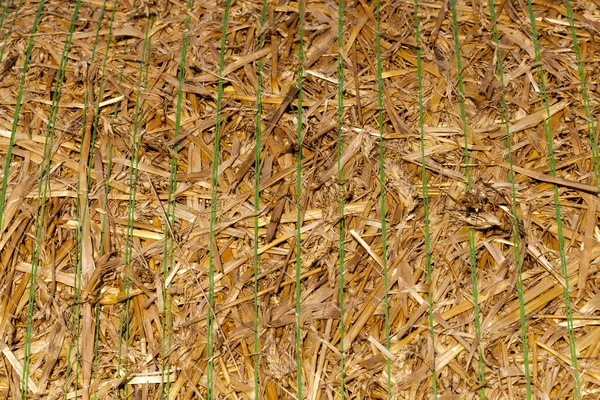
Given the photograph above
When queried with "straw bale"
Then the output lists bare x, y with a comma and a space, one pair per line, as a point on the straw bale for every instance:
115, 116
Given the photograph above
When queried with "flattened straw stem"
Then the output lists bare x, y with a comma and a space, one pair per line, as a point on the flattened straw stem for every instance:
210, 320
428, 266
110, 149
471, 231
97, 115
257, 138
386, 305
104, 218
561, 239
299, 200
42, 190
133, 179
341, 190
516, 234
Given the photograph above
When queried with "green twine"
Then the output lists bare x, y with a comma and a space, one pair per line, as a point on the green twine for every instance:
213, 215
471, 231
386, 305
341, 189
561, 240
299, 199
133, 179
43, 189
428, 265
257, 137
516, 230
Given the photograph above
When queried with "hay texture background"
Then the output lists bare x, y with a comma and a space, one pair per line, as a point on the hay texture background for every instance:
112, 260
